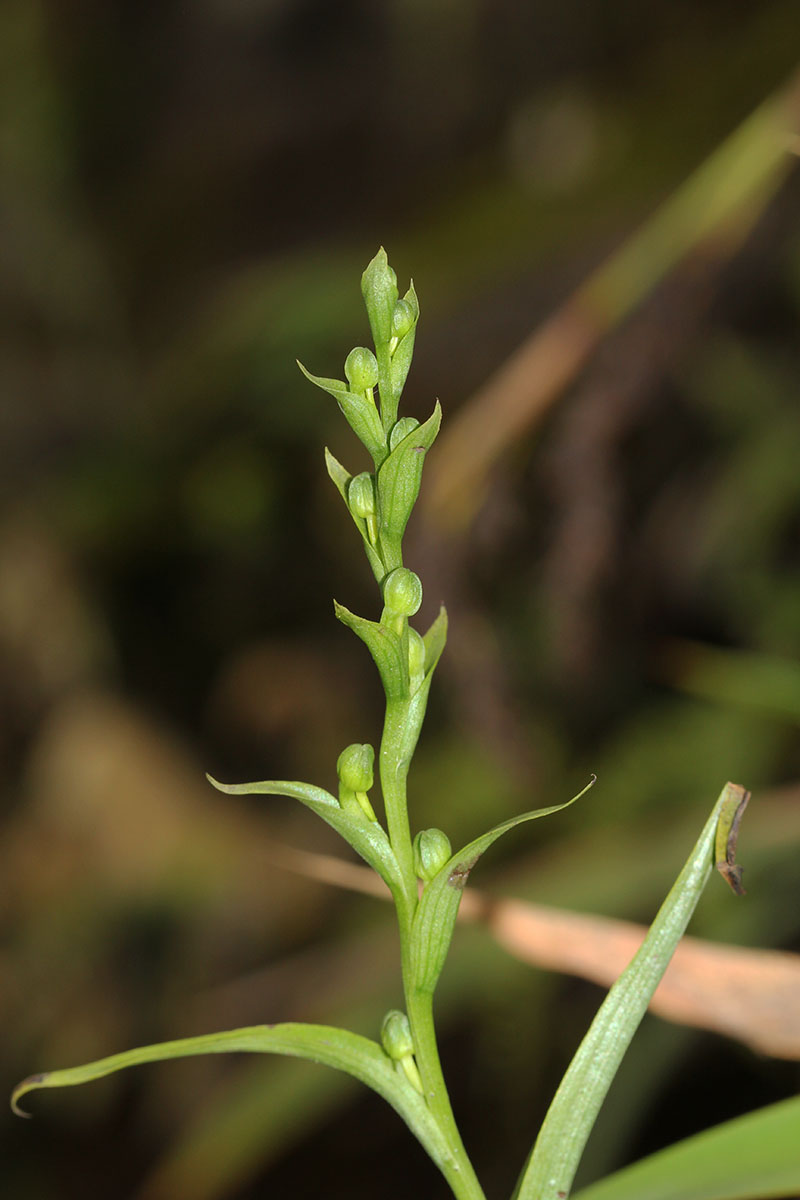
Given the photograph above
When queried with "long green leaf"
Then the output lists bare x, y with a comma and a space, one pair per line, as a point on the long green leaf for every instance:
339, 1048
437, 910
550, 1170
750, 1158
366, 837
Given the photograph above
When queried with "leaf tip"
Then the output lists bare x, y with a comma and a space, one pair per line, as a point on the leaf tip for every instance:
27, 1085
221, 787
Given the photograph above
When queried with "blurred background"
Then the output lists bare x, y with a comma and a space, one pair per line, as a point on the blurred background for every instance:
598, 204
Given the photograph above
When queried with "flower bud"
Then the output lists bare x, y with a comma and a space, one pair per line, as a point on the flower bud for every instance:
401, 429
361, 369
402, 592
396, 1035
416, 657
354, 767
399, 1045
402, 319
431, 851
361, 495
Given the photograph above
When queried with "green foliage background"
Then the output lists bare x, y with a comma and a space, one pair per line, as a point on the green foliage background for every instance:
189, 194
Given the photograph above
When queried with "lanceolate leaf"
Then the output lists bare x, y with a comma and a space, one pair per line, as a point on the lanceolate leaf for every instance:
339, 1048
361, 414
398, 484
341, 477
436, 913
408, 721
551, 1168
385, 647
749, 1158
379, 289
435, 638
366, 837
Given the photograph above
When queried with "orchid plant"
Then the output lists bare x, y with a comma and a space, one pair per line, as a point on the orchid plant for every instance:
425, 877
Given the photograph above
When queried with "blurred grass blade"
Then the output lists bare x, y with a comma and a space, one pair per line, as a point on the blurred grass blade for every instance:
339, 1048
714, 210
750, 1158
747, 994
551, 1167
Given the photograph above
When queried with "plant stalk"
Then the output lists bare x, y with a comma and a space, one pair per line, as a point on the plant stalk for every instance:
394, 765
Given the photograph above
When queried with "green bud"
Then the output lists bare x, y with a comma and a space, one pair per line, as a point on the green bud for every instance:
431, 851
396, 1035
416, 657
361, 370
402, 319
354, 767
361, 495
399, 1045
402, 592
401, 429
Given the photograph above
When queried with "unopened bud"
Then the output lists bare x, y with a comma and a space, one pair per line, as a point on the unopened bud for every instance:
361, 370
399, 1045
354, 767
401, 429
416, 657
431, 851
361, 495
402, 319
402, 592
396, 1035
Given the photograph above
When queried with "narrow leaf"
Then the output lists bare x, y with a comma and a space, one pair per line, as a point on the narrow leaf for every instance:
399, 481
408, 723
435, 638
339, 1048
341, 477
366, 837
361, 414
551, 1167
385, 647
379, 289
749, 1158
436, 913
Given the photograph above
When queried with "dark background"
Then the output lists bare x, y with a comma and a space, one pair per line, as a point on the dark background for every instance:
189, 192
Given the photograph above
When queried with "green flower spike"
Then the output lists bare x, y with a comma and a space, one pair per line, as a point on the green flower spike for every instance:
355, 770
393, 322
405, 1068
399, 1045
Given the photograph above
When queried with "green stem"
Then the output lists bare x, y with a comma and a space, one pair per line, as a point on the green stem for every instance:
419, 1005
395, 758
393, 766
